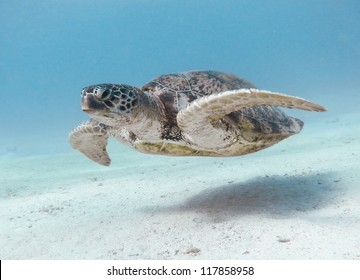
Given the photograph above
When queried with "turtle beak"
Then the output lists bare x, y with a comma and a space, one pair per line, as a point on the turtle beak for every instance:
89, 103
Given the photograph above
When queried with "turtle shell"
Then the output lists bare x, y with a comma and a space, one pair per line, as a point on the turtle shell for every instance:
178, 90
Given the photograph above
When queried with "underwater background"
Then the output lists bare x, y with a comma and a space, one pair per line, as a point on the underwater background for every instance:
296, 200
50, 50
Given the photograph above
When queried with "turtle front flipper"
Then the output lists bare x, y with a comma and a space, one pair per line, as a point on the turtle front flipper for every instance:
199, 119
91, 139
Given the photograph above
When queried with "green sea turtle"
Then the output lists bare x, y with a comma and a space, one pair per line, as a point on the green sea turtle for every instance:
196, 113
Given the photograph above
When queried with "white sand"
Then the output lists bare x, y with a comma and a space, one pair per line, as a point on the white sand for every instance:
297, 200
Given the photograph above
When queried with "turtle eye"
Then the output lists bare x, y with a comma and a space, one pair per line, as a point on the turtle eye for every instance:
105, 94
102, 93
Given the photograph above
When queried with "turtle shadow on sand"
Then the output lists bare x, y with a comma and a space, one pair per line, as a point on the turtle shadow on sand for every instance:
275, 196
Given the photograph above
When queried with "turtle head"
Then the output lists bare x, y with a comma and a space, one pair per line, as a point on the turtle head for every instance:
110, 103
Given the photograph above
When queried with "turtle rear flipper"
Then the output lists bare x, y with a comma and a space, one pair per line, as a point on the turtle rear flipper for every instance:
198, 118
91, 139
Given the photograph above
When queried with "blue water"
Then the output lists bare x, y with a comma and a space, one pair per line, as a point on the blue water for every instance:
50, 50
63, 206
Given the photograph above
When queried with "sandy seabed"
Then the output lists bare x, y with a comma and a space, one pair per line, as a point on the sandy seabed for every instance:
296, 200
